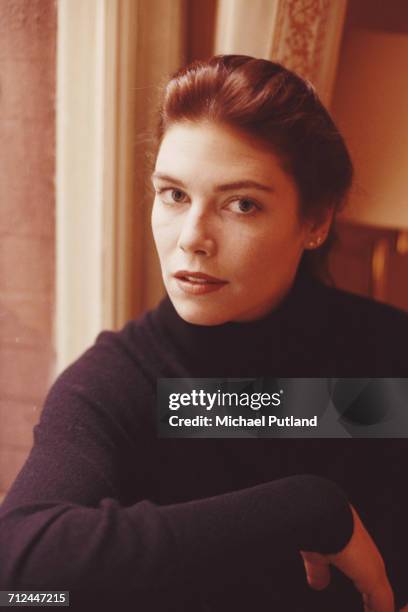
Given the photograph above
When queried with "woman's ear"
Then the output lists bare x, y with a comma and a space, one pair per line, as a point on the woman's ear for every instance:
318, 230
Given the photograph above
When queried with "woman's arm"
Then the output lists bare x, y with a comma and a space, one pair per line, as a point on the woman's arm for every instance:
60, 543
64, 524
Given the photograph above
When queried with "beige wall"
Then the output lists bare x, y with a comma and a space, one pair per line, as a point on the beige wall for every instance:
27, 135
370, 104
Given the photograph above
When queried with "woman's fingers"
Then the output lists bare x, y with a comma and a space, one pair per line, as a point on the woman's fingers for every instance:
361, 561
379, 599
317, 570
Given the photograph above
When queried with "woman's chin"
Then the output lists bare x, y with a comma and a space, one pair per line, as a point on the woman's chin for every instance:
199, 314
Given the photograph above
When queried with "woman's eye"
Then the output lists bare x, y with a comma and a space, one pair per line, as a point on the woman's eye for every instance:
177, 195
244, 206
171, 196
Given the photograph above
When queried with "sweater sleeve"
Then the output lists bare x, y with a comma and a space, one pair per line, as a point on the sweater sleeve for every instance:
59, 544
64, 524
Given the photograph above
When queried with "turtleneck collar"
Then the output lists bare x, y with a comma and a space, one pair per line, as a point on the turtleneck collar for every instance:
242, 348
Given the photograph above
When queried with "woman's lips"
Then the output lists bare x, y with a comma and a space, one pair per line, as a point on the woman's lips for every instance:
198, 286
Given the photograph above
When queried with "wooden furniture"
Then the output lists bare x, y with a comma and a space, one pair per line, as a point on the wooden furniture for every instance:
371, 261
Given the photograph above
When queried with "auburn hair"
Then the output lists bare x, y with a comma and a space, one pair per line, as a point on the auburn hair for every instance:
279, 108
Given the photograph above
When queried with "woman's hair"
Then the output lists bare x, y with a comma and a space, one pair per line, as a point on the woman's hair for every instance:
280, 109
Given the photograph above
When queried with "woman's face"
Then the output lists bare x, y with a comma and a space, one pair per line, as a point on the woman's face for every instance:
224, 208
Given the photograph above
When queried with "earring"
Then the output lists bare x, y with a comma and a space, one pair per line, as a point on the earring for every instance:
312, 244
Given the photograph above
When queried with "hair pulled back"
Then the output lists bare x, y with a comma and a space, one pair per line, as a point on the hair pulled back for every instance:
274, 105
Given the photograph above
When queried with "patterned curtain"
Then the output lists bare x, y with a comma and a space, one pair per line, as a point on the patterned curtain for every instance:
304, 35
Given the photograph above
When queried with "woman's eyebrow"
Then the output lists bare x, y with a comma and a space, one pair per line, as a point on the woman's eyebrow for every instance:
244, 185
167, 177
225, 187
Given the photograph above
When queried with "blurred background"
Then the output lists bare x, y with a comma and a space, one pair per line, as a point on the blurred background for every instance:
79, 83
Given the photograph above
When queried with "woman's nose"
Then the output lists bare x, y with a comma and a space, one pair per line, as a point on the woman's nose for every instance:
196, 235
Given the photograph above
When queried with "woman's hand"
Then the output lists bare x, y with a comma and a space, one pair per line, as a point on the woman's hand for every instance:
361, 561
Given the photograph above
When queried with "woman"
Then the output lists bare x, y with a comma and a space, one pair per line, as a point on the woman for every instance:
249, 174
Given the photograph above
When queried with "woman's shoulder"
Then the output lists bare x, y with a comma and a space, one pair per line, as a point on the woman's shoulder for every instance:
114, 352
372, 336
125, 352
353, 307
111, 381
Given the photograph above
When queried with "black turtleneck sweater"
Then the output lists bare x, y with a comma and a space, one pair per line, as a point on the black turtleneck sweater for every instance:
107, 510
